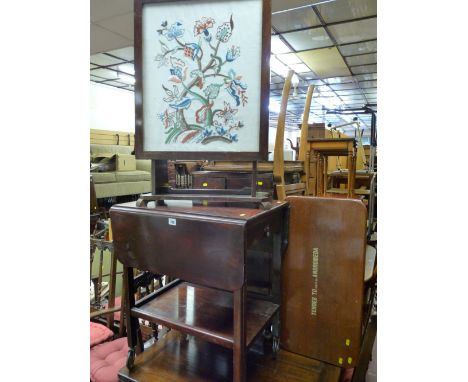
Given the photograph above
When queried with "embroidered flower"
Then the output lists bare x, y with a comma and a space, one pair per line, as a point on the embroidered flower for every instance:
191, 50
178, 70
211, 122
206, 132
227, 113
171, 94
167, 118
236, 88
221, 130
202, 113
202, 26
212, 91
198, 75
224, 31
233, 53
175, 31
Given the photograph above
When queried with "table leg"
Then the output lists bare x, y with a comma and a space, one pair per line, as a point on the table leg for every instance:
319, 175
276, 268
276, 334
135, 342
239, 336
112, 282
351, 169
325, 174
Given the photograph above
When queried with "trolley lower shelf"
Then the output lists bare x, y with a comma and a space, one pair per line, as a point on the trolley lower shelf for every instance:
205, 313
178, 357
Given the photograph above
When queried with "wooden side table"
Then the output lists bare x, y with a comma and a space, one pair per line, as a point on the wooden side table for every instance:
206, 249
322, 148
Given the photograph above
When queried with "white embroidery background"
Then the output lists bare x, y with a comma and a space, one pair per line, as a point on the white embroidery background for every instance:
247, 33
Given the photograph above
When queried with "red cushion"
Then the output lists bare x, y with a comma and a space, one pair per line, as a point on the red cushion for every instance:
98, 333
107, 359
117, 302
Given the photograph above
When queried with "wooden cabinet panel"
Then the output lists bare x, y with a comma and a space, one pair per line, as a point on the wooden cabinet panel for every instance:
209, 182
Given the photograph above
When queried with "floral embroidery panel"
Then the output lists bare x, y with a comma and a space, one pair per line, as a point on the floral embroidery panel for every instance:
201, 71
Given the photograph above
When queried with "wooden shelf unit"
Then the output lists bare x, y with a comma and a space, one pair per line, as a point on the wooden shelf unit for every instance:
206, 313
211, 249
178, 357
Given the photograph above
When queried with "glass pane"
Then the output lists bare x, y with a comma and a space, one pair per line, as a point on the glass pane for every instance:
278, 67
370, 91
300, 68
324, 88
104, 73
300, 18
348, 92
308, 39
364, 69
96, 78
352, 98
309, 75
281, 5
366, 77
354, 31
276, 86
326, 62
325, 94
276, 79
368, 84
344, 86
315, 82
347, 9
123, 53
352, 104
359, 48
289, 58
278, 46
338, 80
364, 59
102, 59
117, 84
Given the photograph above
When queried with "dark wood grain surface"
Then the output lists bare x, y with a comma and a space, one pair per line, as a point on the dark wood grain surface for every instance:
203, 245
323, 279
205, 312
214, 212
176, 357
231, 180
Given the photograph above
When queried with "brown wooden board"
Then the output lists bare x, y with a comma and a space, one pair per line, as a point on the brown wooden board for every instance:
177, 357
323, 279
203, 245
316, 130
205, 312
231, 180
108, 137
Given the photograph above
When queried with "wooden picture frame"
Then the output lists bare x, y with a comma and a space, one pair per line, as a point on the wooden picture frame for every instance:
201, 91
